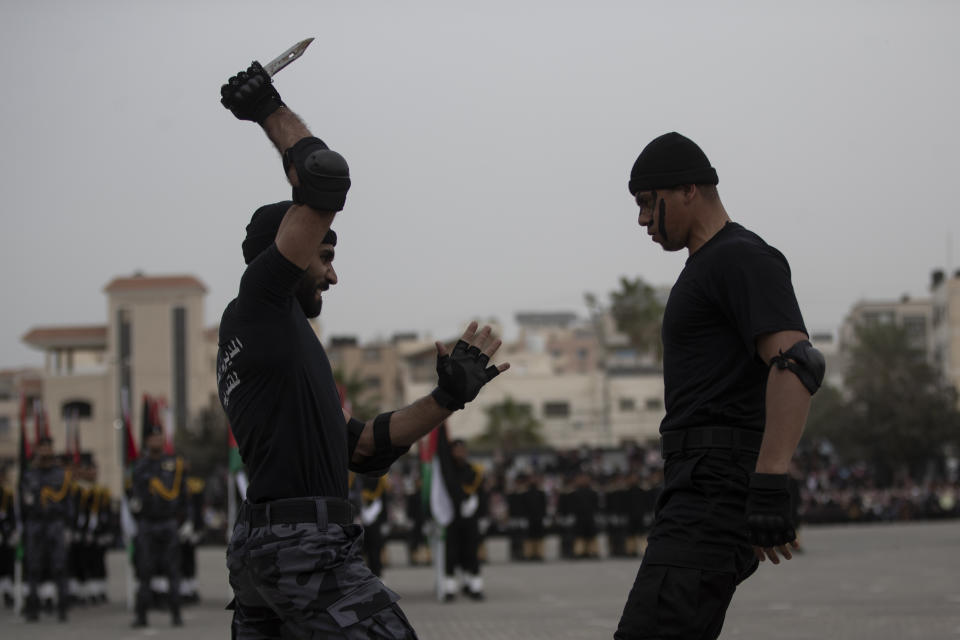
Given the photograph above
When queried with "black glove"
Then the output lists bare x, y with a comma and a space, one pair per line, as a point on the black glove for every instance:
461, 376
769, 515
250, 94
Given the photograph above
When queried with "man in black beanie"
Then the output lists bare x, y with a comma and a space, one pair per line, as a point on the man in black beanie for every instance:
295, 556
738, 373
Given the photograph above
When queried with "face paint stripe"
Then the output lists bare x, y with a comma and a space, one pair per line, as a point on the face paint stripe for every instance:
663, 217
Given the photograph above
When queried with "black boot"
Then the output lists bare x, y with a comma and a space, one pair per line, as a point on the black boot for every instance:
141, 620
31, 609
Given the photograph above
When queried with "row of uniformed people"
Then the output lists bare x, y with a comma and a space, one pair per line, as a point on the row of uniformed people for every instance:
577, 508
69, 522
578, 511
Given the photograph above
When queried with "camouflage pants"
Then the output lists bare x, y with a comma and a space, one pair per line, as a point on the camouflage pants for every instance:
308, 580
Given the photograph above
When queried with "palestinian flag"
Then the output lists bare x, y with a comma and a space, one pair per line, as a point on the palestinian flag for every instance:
439, 477
234, 461
26, 451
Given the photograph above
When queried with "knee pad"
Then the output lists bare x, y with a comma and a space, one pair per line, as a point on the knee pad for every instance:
322, 172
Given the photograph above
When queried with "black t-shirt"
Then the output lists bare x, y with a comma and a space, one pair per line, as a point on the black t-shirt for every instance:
275, 384
733, 289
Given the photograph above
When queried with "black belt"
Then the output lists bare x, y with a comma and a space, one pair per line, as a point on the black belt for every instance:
710, 438
299, 511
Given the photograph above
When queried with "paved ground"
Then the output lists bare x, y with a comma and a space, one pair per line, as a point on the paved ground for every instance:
879, 582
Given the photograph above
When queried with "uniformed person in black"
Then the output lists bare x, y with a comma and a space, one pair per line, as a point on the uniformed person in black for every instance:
369, 495
462, 541
158, 502
294, 557
517, 517
738, 374
8, 539
415, 510
102, 523
584, 504
191, 533
47, 513
534, 500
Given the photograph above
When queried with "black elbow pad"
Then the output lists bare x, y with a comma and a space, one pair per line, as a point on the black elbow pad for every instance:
805, 361
385, 453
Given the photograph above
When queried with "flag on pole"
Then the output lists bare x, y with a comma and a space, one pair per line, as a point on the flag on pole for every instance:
445, 491
129, 450
165, 417
38, 420
74, 422
26, 452
130, 454
234, 462
146, 419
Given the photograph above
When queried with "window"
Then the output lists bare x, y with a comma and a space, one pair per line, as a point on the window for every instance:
372, 383
627, 404
371, 354
654, 404
556, 409
4, 427
916, 329
78, 408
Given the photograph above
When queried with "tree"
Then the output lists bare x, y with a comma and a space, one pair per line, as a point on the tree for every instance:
637, 313
899, 415
510, 425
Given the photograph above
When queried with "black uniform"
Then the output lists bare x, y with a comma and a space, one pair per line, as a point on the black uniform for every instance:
371, 502
416, 514
190, 535
584, 504
8, 544
732, 290
535, 510
463, 533
276, 385
47, 513
102, 525
81, 493
159, 503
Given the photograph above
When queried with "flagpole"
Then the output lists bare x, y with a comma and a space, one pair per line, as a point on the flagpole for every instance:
231, 504
126, 519
23, 457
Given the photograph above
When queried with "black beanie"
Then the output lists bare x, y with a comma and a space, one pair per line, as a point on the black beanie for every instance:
262, 230
670, 161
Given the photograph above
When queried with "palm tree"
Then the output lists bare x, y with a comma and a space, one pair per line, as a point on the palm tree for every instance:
638, 314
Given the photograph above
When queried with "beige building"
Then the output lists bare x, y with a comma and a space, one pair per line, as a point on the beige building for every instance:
374, 366
914, 315
576, 406
945, 339
153, 343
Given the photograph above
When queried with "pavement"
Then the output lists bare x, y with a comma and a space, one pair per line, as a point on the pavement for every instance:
876, 582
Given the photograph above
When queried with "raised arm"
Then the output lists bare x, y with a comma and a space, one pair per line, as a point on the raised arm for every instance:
461, 374
319, 176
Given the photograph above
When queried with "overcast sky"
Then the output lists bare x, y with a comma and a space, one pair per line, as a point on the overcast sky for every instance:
489, 145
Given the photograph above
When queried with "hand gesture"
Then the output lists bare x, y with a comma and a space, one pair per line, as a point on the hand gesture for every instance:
250, 94
462, 373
